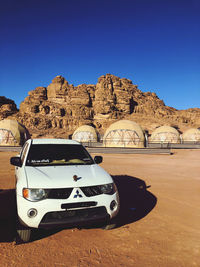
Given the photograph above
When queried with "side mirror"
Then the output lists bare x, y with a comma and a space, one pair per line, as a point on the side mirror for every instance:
16, 161
98, 159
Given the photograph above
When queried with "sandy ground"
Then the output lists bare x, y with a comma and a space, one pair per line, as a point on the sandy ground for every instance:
164, 230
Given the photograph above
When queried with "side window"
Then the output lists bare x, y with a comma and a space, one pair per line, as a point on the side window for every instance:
23, 153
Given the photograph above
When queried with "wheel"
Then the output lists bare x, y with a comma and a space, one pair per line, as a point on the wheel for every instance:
24, 234
109, 226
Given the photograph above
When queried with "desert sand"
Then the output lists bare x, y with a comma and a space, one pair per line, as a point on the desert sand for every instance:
159, 226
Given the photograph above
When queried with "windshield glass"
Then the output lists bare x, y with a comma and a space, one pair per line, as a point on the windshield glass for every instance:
58, 154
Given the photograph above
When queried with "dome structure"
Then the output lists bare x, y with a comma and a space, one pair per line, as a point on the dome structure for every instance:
85, 133
165, 134
12, 133
124, 133
191, 135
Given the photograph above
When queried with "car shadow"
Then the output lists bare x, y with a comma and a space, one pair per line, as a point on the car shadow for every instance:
135, 200
135, 203
8, 219
7, 215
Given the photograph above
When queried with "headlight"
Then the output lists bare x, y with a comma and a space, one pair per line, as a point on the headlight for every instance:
35, 194
108, 189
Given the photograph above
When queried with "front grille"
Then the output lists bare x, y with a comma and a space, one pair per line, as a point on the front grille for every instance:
91, 191
61, 193
74, 217
78, 205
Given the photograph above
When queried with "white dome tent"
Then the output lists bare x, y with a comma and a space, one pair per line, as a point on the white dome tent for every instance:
124, 133
85, 133
165, 134
12, 133
191, 135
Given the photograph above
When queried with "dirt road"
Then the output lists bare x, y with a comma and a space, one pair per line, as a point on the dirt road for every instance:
159, 226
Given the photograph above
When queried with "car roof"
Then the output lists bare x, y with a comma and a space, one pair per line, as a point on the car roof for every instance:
53, 141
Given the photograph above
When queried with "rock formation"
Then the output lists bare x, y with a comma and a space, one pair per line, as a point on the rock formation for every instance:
61, 107
7, 107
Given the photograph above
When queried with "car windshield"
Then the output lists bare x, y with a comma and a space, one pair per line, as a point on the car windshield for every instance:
58, 154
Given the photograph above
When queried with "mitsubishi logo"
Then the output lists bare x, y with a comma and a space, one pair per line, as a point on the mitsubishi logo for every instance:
76, 178
77, 194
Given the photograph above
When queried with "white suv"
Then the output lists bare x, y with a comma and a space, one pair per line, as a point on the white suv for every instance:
59, 184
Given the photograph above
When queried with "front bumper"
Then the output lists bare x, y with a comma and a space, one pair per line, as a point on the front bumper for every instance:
76, 217
53, 213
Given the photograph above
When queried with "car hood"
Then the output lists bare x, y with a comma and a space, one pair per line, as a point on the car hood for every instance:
62, 176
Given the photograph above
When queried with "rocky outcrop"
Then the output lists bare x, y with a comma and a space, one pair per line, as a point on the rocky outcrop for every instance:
191, 116
113, 95
149, 104
7, 107
61, 107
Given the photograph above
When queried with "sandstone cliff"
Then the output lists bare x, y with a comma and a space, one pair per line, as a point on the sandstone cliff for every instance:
7, 107
61, 107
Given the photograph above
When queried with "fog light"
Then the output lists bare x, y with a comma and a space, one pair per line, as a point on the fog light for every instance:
32, 213
113, 204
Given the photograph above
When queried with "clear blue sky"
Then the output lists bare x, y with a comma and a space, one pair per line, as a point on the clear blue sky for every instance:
155, 43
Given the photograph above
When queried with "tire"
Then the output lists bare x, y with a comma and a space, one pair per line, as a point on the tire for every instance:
24, 234
109, 226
